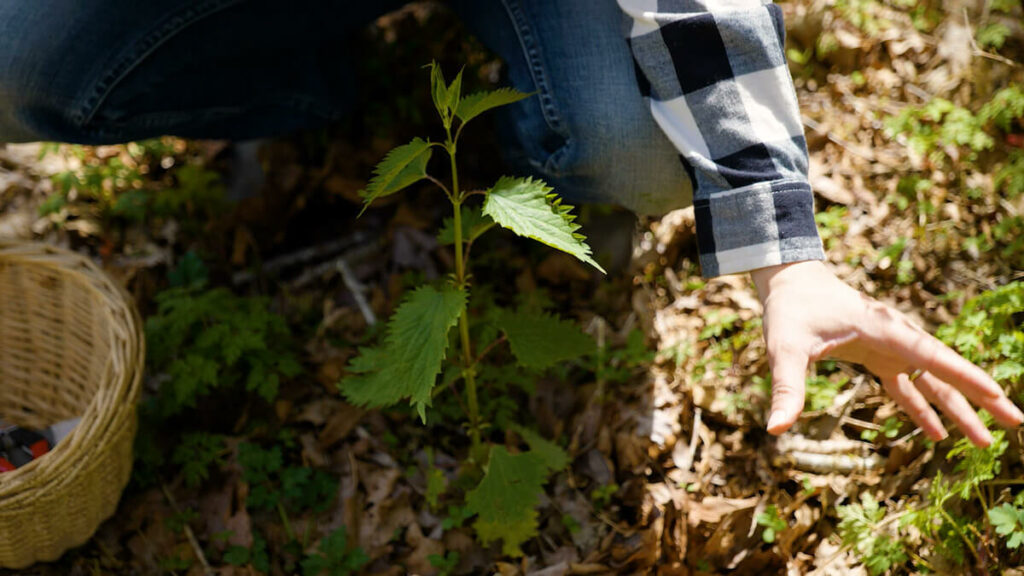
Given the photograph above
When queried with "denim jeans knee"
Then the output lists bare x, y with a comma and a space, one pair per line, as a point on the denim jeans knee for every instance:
108, 71
588, 131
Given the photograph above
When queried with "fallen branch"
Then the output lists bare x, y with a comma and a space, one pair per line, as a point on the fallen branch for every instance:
300, 257
840, 455
196, 548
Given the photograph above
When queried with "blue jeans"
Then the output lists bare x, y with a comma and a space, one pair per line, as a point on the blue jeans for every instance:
107, 71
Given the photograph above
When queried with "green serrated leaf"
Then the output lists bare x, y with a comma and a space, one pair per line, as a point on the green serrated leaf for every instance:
402, 167
526, 207
407, 364
475, 104
504, 500
439, 90
551, 454
474, 224
454, 94
540, 340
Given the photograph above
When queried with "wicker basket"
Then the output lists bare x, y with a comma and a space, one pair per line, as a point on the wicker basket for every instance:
70, 346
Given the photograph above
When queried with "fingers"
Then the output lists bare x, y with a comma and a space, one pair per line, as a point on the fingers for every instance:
954, 405
914, 404
789, 370
922, 350
1000, 407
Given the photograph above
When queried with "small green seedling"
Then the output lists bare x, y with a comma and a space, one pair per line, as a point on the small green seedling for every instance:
773, 523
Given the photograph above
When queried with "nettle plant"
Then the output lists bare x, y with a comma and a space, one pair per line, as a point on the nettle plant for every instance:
407, 364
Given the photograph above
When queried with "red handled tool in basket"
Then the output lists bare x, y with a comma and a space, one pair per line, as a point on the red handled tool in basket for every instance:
19, 446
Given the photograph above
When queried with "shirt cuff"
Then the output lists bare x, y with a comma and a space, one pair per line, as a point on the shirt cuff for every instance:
763, 224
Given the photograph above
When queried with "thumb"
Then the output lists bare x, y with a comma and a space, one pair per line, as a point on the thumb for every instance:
789, 370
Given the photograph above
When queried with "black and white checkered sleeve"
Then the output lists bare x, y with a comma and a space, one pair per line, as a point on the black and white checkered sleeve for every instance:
715, 75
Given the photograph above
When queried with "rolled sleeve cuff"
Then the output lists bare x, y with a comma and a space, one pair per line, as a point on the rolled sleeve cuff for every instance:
764, 224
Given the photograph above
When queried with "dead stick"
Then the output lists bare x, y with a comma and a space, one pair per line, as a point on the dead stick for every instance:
196, 549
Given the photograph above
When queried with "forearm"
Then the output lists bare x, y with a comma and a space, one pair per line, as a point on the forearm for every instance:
732, 114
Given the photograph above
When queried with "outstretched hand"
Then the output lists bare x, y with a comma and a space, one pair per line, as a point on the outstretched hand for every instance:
810, 314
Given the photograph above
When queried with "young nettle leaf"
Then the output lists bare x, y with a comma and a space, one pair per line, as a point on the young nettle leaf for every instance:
475, 104
454, 95
402, 167
446, 96
408, 362
527, 207
439, 90
474, 224
540, 340
504, 500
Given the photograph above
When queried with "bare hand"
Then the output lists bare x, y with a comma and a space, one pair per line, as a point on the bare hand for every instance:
809, 314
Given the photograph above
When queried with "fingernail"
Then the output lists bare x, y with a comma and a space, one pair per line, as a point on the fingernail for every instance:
1009, 411
775, 419
984, 440
1017, 414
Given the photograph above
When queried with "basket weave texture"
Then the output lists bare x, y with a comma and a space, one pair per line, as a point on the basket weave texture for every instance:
70, 347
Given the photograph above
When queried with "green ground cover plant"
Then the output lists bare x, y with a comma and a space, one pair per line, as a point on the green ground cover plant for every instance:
971, 513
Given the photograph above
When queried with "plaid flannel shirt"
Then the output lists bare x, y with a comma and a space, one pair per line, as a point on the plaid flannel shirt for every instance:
715, 75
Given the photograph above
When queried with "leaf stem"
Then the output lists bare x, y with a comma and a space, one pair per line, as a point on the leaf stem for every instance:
441, 185
984, 503
468, 365
489, 348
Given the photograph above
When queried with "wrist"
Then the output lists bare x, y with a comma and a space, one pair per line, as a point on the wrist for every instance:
771, 278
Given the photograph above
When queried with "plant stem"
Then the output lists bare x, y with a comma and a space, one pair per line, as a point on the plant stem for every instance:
468, 368
984, 503
284, 520
960, 532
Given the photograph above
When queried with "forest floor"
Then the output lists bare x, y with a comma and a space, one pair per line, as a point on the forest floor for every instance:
920, 197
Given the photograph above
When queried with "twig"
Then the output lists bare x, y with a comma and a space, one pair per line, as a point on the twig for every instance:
848, 146
691, 451
353, 464
905, 438
196, 549
350, 256
300, 257
798, 443
979, 52
825, 456
862, 424
357, 290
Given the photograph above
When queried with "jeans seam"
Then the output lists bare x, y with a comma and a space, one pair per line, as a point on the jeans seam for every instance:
163, 31
540, 75
160, 120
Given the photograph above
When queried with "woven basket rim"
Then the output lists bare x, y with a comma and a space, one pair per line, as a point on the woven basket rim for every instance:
112, 406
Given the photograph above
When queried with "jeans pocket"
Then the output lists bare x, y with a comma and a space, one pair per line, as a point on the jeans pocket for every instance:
540, 126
